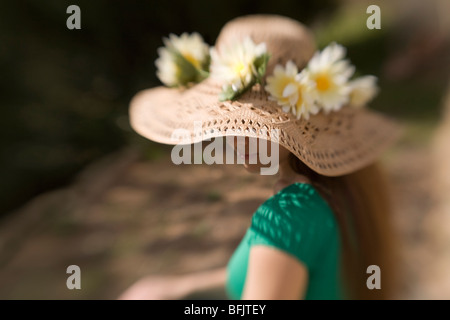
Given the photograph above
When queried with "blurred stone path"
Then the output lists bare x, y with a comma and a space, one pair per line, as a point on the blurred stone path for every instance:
124, 218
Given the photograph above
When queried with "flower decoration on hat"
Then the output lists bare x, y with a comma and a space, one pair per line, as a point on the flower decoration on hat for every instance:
330, 73
239, 66
363, 89
184, 60
323, 85
292, 90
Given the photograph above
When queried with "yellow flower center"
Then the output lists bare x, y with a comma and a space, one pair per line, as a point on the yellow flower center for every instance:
323, 82
192, 60
239, 68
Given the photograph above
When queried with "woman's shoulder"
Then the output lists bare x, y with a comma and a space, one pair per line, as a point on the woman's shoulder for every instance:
297, 200
296, 219
298, 206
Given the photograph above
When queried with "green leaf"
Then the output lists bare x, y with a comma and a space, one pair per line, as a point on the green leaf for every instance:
202, 75
227, 94
261, 66
187, 73
206, 64
230, 94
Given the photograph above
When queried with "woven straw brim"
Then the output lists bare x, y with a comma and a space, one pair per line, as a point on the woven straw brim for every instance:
331, 144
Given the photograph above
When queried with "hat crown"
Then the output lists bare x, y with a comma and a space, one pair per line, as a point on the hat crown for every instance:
285, 38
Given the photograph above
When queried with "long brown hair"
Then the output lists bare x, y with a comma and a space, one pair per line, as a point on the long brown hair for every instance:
361, 204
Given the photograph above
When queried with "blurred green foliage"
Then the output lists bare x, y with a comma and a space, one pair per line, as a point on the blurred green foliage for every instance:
65, 93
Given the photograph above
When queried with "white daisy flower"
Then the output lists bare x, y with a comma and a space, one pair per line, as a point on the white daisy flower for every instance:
363, 89
331, 73
293, 91
235, 65
167, 69
182, 60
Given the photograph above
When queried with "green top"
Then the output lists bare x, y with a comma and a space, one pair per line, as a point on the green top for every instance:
298, 221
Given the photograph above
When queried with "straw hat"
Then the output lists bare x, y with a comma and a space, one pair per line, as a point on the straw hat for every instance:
331, 143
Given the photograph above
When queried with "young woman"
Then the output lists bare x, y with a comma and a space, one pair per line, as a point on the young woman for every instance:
327, 223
